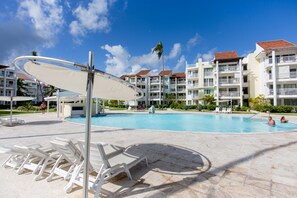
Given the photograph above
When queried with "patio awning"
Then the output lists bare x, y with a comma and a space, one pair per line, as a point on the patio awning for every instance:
15, 98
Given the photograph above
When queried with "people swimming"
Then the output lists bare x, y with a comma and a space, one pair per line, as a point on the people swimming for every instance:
283, 119
271, 122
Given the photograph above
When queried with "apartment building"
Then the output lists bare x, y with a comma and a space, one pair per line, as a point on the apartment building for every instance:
225, 77
8, 83
273, 67
155, 87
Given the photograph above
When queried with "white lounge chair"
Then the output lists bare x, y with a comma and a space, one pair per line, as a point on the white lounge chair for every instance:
224, 110
14, 121
229, 110
217, 110
107, 161
15, 158
36, 159
70, 157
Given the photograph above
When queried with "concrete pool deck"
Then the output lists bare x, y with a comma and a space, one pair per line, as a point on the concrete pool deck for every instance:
181, 164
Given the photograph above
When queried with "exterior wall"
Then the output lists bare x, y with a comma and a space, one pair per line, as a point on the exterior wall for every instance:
8, 83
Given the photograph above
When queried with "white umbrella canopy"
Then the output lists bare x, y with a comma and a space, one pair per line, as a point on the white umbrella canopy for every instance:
14, 99
87, 82
105, 86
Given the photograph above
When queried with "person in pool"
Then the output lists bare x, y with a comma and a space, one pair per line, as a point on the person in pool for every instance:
283, 119
271, 122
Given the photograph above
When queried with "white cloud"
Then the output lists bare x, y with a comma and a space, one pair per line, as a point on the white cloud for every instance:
92, 18
174, 51
209, 55
120, 62
46, 17
180, 63
192, 42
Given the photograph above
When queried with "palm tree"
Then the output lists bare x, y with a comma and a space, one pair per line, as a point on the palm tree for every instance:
159, 50
34, 53
50, 90
21, 88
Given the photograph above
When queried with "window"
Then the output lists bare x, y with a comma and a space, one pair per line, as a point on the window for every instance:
290, 102
245, 79
189, 102
77, 108
245, 90
288, 86
244, 67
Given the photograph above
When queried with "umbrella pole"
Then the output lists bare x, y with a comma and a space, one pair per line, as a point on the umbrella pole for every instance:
10, 111
88, 124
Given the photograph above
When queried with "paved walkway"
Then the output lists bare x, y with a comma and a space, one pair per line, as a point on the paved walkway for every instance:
180, 164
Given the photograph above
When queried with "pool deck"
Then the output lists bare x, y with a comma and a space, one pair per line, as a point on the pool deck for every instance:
181, 164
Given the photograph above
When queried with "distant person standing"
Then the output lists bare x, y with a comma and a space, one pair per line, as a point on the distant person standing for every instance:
43, 107
271, 122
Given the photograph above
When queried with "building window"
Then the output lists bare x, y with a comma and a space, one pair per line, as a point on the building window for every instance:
189, 102
245, 79
244, 67
245, 90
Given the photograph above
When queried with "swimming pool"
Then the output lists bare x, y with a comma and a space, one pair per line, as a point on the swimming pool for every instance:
188, 122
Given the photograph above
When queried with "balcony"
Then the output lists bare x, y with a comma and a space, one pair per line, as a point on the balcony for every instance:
229, 81
154, 97
181, 82
193, 86
290, 75
155, 81
208, 84
181, 90
228, 69
154, 89
283, 59
229, 94
208, 74
193, 75
284, 91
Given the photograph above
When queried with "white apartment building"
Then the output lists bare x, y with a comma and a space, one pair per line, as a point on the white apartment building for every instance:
8, 85
155, 87
225, 77
273, 67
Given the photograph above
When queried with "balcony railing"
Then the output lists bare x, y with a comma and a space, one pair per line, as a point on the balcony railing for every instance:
208, 74
225, 69
284, 91
154, 97
193, 85
155, 89
155, 81
181, 90
191, 65
229, 93
193, 76
208, 84
284, 75
283, 59
229, 81
181, 82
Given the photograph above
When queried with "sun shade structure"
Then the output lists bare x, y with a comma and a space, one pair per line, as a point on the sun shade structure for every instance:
80, 79
14, 99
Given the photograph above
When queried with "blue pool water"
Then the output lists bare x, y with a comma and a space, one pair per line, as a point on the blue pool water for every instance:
188, 122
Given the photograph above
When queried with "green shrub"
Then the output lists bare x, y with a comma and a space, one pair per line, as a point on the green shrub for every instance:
211, 107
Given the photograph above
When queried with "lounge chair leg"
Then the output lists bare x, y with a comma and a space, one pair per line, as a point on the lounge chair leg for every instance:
41, 170
127, 172
21, 168
52, 172
74, 175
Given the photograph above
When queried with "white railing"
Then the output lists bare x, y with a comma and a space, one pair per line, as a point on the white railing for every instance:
208, 84
283, 59
181, 82
284, 75
155, 81
154, 97
224, 69
193, 85
181, 90
229, 94
193, 76
155, 89
229, 81
208, 74
284, 91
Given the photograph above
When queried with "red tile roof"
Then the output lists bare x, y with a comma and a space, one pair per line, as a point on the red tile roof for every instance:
23, 76
275, 44
226, 55
165, 73
178, 75
143, 72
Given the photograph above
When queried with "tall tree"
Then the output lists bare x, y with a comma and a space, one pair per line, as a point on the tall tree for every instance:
159, 50
21, 88
34, 53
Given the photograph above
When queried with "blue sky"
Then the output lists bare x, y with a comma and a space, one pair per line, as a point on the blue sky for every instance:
122, 33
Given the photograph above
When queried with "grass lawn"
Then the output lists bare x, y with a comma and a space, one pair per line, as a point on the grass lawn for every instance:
14, 112
289, 114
